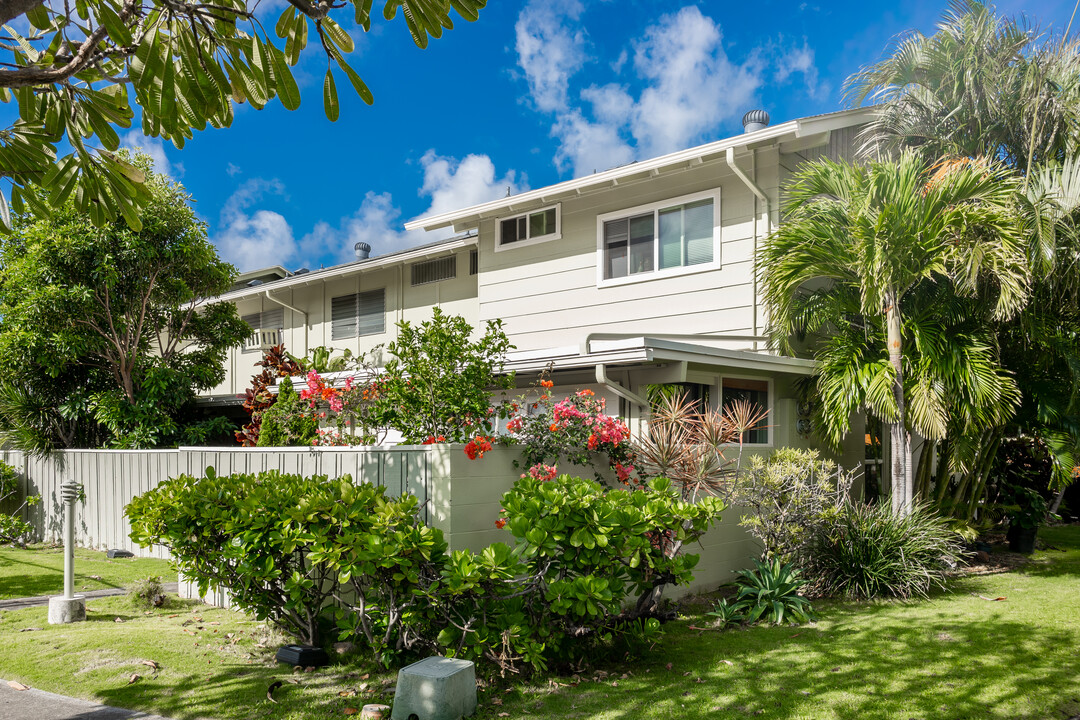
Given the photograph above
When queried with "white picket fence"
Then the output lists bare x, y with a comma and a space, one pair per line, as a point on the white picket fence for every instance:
111, 478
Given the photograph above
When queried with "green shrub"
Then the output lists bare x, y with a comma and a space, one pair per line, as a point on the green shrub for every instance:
770, 592
288, 421
254, 536
582, 553
283, 546
866, 551
790, 495
726, 614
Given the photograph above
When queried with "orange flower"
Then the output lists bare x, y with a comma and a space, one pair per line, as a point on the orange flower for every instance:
553, 427
500, 523
547, 383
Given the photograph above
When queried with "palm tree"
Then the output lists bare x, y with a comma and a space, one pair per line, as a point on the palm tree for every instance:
989, 86
981, 86
866, 251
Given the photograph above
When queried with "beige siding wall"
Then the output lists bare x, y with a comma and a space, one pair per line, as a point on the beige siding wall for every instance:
548, 294
456, 296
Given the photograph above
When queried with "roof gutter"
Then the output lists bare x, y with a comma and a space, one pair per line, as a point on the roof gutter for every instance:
273, 299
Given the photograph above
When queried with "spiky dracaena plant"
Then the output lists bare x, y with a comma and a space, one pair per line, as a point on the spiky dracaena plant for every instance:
687, 444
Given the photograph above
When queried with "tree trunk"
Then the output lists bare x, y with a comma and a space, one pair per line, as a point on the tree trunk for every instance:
899, 437
941, 477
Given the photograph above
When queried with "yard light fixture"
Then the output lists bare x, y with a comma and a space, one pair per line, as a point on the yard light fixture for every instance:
71, 607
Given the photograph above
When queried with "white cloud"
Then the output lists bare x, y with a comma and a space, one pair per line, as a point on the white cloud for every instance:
677, 85
377, 222
453, 184
155, 148
800, 61
550, 50
233, 170
586, 147
693, 86
449, 183
256, 239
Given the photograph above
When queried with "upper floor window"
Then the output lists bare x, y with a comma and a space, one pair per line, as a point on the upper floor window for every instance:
264, 325
533, 227
662, 238
358, 314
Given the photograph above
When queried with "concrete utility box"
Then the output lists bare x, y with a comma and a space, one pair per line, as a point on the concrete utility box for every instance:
436, 688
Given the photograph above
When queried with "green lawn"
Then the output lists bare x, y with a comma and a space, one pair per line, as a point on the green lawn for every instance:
39, 570
955, 656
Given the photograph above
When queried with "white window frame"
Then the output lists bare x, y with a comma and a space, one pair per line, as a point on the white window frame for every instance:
253, 343
770, 426
557, 235
655, 208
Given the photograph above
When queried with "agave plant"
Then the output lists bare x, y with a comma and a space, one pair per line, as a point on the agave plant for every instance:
771, 593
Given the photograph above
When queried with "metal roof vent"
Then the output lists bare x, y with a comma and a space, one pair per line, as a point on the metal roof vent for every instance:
302, 271
363, 250
254, 283
755, 120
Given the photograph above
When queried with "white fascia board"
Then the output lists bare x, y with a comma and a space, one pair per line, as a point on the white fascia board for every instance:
337, 271
468, 218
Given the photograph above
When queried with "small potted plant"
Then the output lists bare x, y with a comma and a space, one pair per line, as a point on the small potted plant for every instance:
1026, 509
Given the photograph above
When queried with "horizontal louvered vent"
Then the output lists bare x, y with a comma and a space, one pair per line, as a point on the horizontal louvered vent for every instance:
437, 270
358, 314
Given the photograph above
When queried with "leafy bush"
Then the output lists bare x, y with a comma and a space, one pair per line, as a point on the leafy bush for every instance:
866, 551
438, 381
283, 546
12, 527
251, 535
726, 614
791, 494
286, 422
770, 592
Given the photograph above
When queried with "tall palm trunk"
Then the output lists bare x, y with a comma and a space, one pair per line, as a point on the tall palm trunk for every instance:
898, 435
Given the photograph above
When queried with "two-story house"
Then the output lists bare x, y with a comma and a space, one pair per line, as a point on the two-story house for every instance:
638, 275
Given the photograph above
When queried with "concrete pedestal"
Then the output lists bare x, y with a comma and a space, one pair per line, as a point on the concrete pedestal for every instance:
67, 610
436, 688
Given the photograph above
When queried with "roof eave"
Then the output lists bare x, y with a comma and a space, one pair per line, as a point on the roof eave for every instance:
469, 217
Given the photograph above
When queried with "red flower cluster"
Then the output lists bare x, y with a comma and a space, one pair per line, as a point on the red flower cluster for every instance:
476, 447
500, 523
431, 440
542, 472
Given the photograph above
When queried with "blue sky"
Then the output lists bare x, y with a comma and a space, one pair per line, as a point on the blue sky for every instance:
532, 94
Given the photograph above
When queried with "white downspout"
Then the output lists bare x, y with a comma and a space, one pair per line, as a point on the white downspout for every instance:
295, 310
761, 195
624, 393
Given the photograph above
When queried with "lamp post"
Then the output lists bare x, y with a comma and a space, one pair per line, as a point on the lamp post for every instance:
71, 607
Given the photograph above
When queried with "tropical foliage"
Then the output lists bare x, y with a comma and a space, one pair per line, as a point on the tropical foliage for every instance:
867, 551
104, 335
885, 262
991, 86
285, 545
438, 381
74, 75
13, 528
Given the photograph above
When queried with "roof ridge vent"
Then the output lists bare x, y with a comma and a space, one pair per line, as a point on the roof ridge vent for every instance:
755, 120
